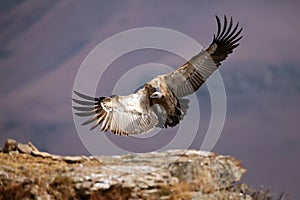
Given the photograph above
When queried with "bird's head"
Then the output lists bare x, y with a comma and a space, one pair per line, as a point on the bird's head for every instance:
156, 95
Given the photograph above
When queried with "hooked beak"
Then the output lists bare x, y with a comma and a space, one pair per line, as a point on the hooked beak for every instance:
156, 95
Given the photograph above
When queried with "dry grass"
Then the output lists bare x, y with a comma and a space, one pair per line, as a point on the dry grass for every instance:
114, 192
62, 188
179, 191
265, 194
15, 191
41, 172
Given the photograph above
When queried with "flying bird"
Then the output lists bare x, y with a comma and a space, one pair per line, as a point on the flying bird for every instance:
159, 102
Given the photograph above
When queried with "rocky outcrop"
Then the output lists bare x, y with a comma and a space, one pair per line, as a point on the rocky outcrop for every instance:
26, 173
12, 146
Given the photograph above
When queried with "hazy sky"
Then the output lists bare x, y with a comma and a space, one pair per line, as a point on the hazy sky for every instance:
43, 44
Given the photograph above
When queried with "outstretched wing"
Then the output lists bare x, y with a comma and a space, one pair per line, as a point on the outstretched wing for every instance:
189, 77
123, 115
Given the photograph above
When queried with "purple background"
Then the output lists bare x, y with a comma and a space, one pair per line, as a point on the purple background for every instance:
42, 44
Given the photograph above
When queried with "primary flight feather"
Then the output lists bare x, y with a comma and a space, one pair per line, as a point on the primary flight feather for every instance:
159, 102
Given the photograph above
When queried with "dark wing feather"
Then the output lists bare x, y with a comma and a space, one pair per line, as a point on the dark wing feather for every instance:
189, 77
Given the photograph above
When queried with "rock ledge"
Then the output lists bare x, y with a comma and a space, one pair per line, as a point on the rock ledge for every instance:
26, 173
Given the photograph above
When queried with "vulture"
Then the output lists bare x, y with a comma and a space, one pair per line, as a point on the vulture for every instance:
159, 102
